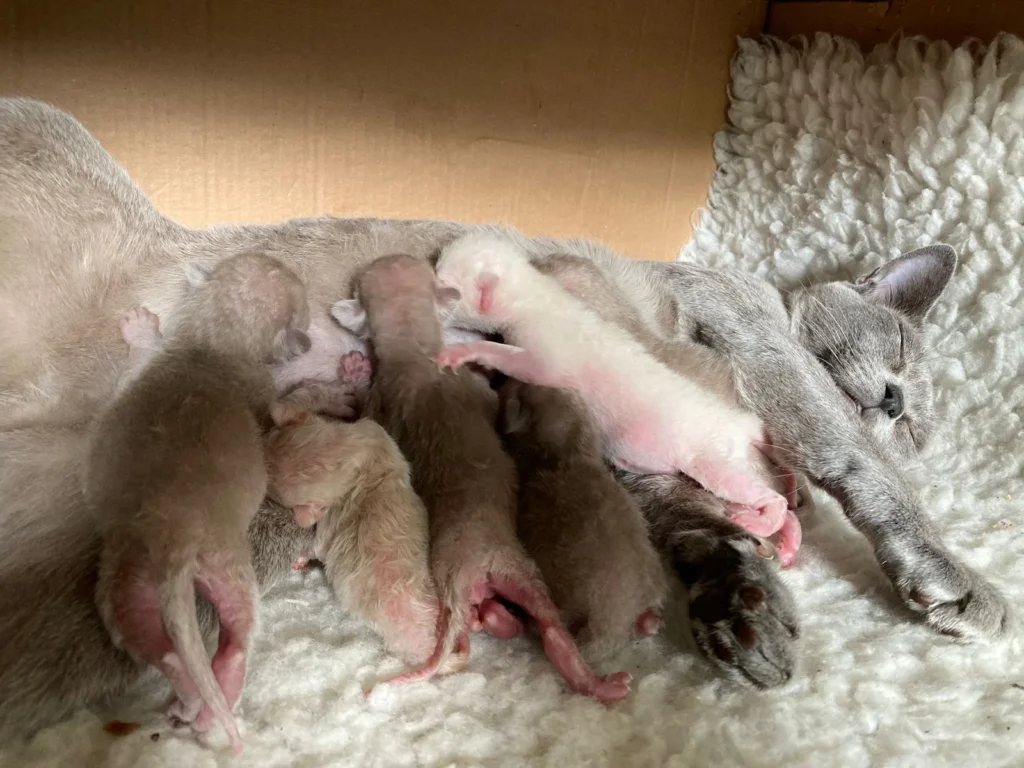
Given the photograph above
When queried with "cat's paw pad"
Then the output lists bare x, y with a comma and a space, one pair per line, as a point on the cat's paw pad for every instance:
743, 617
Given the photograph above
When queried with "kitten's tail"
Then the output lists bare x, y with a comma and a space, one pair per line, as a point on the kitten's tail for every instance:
451, 651
178, 610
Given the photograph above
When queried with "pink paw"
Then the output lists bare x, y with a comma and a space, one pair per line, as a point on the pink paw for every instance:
300, 564
454, 356
648, 623
140, 327
308, 515
764, 518
750, 519
204, 720
355, 368
614, 687
496, 620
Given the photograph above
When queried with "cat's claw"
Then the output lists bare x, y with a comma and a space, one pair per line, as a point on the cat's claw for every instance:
952, 598
789, 538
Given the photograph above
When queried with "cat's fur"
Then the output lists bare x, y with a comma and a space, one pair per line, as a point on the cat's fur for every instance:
80, 244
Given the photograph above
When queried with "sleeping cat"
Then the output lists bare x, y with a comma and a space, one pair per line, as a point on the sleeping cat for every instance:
80, 243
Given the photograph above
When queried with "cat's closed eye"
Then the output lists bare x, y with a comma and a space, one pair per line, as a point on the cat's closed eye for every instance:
901, 361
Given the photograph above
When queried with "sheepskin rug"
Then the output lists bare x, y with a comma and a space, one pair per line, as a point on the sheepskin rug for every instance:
833, 161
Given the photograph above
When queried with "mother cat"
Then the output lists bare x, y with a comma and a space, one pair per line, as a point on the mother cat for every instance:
80, 243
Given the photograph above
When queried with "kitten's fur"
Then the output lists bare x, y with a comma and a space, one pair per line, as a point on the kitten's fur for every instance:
80, 244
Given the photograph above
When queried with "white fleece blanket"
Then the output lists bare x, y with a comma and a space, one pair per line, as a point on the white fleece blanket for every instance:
834, 160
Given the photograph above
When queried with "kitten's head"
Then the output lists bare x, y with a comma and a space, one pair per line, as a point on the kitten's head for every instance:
868, 336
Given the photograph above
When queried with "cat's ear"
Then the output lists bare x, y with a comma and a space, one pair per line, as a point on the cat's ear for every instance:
196, 274
447, 299
911, 283
351, 316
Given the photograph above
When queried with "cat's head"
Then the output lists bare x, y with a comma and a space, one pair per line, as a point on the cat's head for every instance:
868, 336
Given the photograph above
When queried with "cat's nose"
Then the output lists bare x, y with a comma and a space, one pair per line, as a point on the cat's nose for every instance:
892, 401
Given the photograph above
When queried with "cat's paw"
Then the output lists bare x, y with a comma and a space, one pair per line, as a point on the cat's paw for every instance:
743, 616
951, 597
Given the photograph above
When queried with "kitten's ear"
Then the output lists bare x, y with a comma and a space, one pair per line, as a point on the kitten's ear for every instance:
512, 414
196, 274
351, 316
307, 515
290, 343
285, 414
447, 299
486, 282
911, 283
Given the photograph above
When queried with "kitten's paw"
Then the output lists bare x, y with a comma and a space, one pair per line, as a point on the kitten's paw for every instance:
953, 599
140, 327
742, 615
455, 356
184, 713
754, 519
355, 369
343, 405
496, 620
648, 623
331, 398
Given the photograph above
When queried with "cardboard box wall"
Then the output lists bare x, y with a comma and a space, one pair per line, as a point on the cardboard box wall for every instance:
566, 117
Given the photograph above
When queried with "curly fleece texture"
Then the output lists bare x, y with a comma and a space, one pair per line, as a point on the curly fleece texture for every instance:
833, 162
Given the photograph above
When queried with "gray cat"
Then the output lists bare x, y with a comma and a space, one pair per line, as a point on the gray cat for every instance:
835, 371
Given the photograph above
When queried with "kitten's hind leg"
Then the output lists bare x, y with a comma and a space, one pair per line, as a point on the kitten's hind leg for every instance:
752, 504
131, 600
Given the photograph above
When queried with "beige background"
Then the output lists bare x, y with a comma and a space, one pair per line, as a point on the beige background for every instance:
572, 117
569, 117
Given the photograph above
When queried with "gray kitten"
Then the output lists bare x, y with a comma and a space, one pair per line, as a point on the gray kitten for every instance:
80, 244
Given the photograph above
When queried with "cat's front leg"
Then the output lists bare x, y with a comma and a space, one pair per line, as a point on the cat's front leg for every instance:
809, 423
931, 581
742, 615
